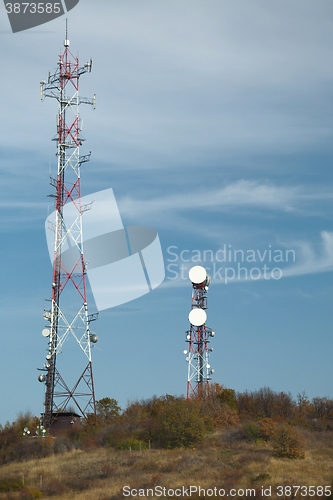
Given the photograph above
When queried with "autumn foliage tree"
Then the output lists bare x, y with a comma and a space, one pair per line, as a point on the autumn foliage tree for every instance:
108, 411
179, 423
287, 442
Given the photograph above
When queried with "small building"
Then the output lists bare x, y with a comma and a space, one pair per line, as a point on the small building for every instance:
64, 422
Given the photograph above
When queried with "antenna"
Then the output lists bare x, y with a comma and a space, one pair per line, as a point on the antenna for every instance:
198, 336
66, 42
68, 381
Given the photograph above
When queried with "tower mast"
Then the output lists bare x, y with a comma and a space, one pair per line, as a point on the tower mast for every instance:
198, 337
68, 315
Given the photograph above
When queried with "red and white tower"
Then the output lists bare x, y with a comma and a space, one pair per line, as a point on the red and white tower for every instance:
68, 379
198, 336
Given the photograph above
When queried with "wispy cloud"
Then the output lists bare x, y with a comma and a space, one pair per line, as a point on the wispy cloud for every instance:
22, 215
25, 205
311, 261
240, 194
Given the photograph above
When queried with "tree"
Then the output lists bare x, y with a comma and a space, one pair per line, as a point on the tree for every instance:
264, 402
304, 406
287, 442
228, 397
283, 406
108, 411
322, 408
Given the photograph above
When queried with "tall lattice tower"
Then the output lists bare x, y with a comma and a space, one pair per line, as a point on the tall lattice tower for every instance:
198, 336
68, 380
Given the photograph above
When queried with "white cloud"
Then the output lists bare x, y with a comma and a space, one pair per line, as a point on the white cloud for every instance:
26, 205
310, 261
177, 80
240, 194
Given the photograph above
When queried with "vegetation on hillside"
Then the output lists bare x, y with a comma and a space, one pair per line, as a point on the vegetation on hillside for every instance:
239, 440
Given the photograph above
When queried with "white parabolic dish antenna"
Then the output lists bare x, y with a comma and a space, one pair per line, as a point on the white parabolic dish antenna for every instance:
197, 274
197, 317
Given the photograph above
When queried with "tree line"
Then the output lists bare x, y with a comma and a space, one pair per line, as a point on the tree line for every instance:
170, 422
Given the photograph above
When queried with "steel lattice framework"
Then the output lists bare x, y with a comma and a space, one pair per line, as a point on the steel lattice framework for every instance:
67, 312
198, 338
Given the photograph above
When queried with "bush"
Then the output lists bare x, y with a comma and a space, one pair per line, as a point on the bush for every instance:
267, 427
179, 423
252, 432
31, 494
114, 436
220, 414
287, 442
10, 484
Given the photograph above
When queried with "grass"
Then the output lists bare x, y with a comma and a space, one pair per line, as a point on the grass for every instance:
221, 460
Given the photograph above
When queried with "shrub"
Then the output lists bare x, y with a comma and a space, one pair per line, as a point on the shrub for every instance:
10, 484
31, 494
267, 427
220, 414
114, 435
287, 442
252, 431
179, 423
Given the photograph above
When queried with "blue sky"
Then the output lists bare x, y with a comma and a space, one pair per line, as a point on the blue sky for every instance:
214, 126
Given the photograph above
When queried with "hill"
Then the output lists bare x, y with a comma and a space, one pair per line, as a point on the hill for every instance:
170, 448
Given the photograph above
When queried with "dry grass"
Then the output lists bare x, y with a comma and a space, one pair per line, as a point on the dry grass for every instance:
221, 460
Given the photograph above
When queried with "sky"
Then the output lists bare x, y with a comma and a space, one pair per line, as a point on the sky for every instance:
213, 125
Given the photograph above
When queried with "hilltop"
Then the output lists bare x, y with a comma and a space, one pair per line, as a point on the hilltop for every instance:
250, 445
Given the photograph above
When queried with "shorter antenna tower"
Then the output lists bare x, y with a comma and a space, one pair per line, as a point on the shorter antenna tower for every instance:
198, 336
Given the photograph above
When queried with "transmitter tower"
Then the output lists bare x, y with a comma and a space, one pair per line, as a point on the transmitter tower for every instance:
69, 385
198, 337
